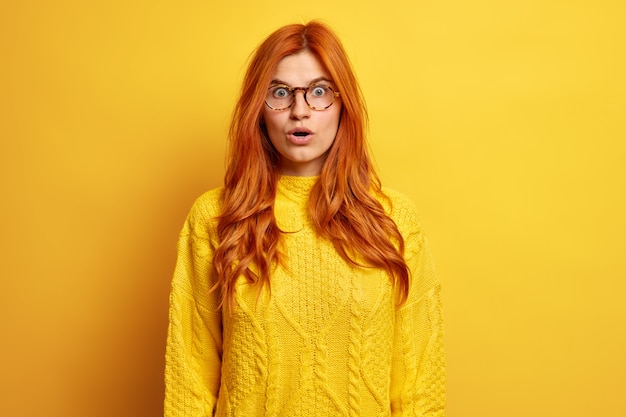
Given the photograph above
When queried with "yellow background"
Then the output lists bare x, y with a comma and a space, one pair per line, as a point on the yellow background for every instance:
502, 120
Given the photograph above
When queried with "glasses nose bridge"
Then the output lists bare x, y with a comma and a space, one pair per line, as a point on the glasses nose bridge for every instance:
304, 90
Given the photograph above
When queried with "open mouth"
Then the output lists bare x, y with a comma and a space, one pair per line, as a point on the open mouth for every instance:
300, 135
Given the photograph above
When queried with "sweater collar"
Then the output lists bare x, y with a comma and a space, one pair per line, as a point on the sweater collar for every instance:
296, 187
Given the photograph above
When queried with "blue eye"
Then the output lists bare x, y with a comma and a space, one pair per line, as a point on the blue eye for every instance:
318, 91
280, 92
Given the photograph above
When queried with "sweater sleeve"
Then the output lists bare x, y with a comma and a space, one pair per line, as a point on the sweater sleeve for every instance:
194, 340
418, 367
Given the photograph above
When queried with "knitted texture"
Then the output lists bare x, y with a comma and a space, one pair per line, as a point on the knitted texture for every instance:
327, 339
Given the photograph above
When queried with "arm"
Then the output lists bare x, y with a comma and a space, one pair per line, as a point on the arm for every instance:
418, 368
194, 341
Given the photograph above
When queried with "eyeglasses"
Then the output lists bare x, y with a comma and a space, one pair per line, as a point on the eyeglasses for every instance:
317, 97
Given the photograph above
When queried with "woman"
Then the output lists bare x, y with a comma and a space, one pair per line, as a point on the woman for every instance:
301, 288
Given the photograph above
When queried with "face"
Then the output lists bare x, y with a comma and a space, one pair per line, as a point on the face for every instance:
302, 136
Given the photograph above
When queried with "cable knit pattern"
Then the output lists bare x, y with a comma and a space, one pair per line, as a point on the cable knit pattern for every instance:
328, 340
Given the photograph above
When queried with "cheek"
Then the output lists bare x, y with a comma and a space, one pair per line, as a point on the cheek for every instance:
333, 121
272, 121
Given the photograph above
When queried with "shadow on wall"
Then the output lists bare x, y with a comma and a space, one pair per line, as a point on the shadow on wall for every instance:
123, 370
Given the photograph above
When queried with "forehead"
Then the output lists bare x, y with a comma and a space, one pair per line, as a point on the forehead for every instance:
300, 69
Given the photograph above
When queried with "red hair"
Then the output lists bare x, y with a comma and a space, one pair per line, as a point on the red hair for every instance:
344, 202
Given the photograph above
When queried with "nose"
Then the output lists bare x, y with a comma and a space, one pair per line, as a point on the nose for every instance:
300, 109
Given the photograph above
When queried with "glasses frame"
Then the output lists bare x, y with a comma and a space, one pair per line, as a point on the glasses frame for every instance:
304, 90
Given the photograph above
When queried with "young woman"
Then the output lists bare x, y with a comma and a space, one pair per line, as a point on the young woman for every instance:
301, 287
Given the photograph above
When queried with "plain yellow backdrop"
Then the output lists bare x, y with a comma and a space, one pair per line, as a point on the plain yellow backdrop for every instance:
502, 120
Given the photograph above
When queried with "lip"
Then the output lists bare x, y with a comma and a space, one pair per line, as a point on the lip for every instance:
300, 140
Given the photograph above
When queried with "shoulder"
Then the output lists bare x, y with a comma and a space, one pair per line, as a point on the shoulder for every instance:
402, 210
208, 203
404, 213
204, 211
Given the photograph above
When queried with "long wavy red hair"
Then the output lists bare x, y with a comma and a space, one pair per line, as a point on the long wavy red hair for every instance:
344, 202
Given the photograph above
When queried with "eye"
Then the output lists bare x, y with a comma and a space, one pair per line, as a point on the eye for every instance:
319, 91
280, 92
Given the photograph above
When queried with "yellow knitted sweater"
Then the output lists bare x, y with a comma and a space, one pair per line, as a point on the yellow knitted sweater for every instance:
329, 340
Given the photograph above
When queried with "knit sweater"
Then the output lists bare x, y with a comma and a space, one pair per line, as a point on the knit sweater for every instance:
326, 340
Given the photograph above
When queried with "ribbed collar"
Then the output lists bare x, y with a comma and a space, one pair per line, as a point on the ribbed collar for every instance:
298, 188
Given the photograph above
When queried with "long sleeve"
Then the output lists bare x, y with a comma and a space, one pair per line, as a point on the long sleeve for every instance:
194, 341
418, 367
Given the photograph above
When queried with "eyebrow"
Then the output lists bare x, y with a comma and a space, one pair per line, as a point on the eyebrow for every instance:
316, 80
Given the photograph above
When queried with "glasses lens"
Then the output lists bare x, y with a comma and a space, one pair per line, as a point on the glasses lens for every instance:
279, 97
320, 96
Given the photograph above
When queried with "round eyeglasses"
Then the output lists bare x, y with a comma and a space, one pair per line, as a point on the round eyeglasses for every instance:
317, 97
